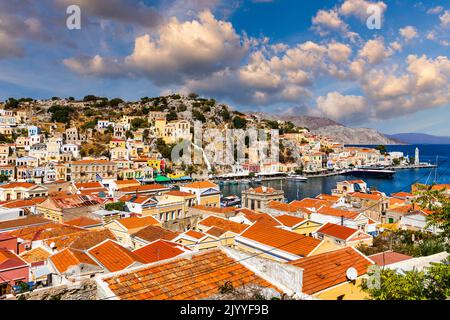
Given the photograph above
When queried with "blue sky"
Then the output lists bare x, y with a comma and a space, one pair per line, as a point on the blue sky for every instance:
282, 56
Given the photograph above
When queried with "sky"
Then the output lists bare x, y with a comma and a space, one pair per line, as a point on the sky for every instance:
294, 57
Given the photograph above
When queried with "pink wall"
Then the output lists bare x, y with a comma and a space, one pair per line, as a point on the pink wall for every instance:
21, 273
10, 244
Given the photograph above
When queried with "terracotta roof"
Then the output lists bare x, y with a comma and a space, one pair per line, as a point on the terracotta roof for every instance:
200, 185
9, 259
137, 222
136, 199
180, 193
288, 220
81, 240
308, 203
194, 234
22, 203
13, 185
281, 239
216, 210
369, 196
67, 258
260, 217
328, 269
23, 222
328, 197
147, 187
84, 222
88, 185
113, 256
195, 277
263, 189
337, 231
224, 224
46, 231
389, 257
125, 182
38, 254
215, 231
95, 161
338, 212
280, 206
160, 250
152, 233
402, 194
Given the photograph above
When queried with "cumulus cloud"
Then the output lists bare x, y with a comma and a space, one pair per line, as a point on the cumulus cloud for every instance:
374, 51
343, 108
132, 12
445, 18
358, 8
435, 10
179, 49
408, 33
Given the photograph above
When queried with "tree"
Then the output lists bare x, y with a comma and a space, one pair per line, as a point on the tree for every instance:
396, 162
11, 103
431, 284
172, 115
239, 123
3, 178
163, 148
115, 206
139, 123
61, 114
115, 102
129, 134
198, 116
381, 148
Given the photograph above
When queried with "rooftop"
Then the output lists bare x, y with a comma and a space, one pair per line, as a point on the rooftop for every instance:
113, 257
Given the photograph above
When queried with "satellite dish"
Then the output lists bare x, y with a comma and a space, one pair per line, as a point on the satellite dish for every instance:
52, 245
352, 274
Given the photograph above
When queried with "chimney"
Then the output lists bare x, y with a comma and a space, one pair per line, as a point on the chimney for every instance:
342, 220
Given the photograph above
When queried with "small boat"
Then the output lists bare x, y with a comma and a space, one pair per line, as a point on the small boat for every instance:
257, 180
230, 201
244, 181
297, 177
234, 182
371, 172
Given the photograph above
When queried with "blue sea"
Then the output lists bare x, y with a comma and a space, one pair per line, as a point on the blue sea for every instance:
401, 181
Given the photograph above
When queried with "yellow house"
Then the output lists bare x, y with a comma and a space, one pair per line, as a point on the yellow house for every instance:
335, 275
197, 241
117, 143
208, 193
224, 229
155, 164
306, 227
124, 228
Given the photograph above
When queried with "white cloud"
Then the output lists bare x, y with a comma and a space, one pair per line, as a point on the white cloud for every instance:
445, 18
358, 8
344, 108
329, 20
374, 51
408, 33
435, 10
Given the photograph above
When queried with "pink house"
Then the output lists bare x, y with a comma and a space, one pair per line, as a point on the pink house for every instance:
13, 270
9, 242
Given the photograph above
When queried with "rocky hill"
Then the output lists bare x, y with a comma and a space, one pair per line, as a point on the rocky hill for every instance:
303, 121
348, 135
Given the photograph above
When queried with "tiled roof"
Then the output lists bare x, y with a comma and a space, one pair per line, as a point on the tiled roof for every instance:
23, 222
137, 222
198, 276
126, 182
9, 259
194, 234
328, 269
215, 231
328, 197
254, 216
263, 189
389, 257
38, 254
402, 194
369, 196
337, 231
81, 240
152, 233
45, 231
223, 224
113, 256
281, 239
288, 220
22, 203
88, 185
180, 193
200, 185
95, 161
308, 203
84, 222
67, 258
329, 211
280, 206
160, 250
13, 185
147, 187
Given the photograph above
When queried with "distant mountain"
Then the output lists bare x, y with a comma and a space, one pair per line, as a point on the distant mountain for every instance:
348, 135
419, 138
337, 131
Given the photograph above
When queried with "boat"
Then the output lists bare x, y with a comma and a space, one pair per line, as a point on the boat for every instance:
371, 172
244, 181
234, 182
257, 180
297, 177
230, 201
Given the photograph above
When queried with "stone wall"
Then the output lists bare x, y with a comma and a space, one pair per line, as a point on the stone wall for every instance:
86, 290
